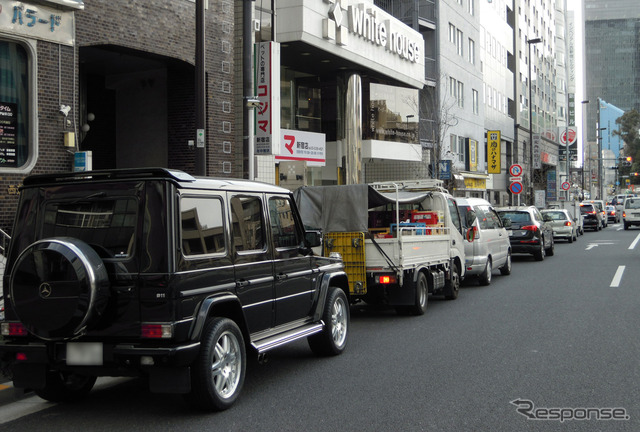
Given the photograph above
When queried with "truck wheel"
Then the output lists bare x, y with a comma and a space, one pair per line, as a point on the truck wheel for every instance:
422, 295
218, 371
453, 284
333, 339
506, 268
65, 386
485, 277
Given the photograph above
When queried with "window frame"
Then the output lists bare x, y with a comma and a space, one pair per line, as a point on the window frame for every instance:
32, 71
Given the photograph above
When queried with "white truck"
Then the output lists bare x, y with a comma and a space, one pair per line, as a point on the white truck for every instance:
400, 241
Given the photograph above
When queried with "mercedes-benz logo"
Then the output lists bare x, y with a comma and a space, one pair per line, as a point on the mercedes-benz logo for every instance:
45, 290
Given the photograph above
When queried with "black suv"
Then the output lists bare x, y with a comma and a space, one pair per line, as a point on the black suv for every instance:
155, 273
591, 216
529, 231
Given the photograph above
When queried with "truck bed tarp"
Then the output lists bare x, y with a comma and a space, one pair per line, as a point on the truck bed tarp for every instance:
345, 208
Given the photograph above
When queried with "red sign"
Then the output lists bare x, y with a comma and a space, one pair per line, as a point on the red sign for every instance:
573, 134
565, 186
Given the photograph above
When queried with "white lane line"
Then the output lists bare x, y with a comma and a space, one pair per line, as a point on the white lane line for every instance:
635, 242
617, 277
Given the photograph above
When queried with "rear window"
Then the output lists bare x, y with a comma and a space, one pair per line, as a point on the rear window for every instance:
515, 216
586, 208
556, 215
108, 225
632, 203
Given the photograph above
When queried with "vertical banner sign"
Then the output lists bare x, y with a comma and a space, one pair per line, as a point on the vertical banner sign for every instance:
8, 134
537, 152
267, 88
572, 109
472, 155
493, 152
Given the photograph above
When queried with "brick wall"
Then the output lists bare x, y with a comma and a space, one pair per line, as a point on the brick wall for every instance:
163, 28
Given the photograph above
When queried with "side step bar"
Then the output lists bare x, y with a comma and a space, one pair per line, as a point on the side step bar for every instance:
267, 344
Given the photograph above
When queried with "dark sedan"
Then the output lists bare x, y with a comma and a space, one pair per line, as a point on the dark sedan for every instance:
529, 232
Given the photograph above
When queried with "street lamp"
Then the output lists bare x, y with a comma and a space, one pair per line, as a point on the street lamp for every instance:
531, 197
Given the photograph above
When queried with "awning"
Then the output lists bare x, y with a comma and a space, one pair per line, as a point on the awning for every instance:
475, 175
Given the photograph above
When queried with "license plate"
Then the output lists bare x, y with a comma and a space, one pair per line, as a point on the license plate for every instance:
84, 354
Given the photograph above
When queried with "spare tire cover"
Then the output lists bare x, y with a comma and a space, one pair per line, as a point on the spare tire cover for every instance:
59, 287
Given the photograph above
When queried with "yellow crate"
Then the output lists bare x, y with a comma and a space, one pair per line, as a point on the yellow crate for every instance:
351, 246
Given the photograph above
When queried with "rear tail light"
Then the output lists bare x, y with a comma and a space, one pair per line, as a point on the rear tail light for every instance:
386, 279
624, 214
567, 223
533, 228
13, 329
156, 331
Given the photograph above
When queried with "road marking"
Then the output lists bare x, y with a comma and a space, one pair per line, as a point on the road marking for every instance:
617, 277
635, 242
592, 245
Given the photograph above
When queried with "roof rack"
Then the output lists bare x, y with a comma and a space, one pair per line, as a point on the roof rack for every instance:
413, 185
152, 172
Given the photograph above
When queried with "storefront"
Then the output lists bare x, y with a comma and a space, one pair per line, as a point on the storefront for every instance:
350, 74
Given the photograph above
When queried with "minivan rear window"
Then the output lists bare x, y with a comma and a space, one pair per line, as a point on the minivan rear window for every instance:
515, 216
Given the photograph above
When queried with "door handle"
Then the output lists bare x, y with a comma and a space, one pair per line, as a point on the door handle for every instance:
242, 283
281, 276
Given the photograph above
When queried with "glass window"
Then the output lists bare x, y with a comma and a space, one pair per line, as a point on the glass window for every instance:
452, 33
15, 105
459, 43
455, 216
471, 55
107, 225
475, 101
202, 226
460, 94
393, 114
247, 223
283, 225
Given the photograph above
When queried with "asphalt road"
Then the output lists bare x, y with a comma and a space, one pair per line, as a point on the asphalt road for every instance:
557, 334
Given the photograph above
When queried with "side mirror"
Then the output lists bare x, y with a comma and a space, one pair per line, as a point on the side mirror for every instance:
470, 234
313, 238
470, 218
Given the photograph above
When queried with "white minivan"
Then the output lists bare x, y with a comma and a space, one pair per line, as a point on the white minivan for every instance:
487, 246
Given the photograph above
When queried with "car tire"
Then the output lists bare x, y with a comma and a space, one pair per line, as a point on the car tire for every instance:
570, 239
485, 277
551, 250
452, 288
539, 254
65, 386
333, 339
505, 270
217, 374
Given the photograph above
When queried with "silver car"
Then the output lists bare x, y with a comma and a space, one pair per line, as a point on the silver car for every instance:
563, 225
486, 245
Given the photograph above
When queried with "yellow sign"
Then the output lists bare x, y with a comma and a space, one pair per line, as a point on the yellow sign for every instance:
493, 152
474, 183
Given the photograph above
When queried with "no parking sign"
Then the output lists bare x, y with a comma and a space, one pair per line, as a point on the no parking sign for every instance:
515, 187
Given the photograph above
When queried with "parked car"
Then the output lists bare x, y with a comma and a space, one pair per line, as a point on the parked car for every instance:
564, 226
631, 212
488, 246
591, 217
529, 233
154, 273
600, 207
612, 214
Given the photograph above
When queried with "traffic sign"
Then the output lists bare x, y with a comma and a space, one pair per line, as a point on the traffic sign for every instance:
515, 188
512, 179
515, 170
565, 186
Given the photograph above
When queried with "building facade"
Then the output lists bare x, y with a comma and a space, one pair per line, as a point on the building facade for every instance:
115, 79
